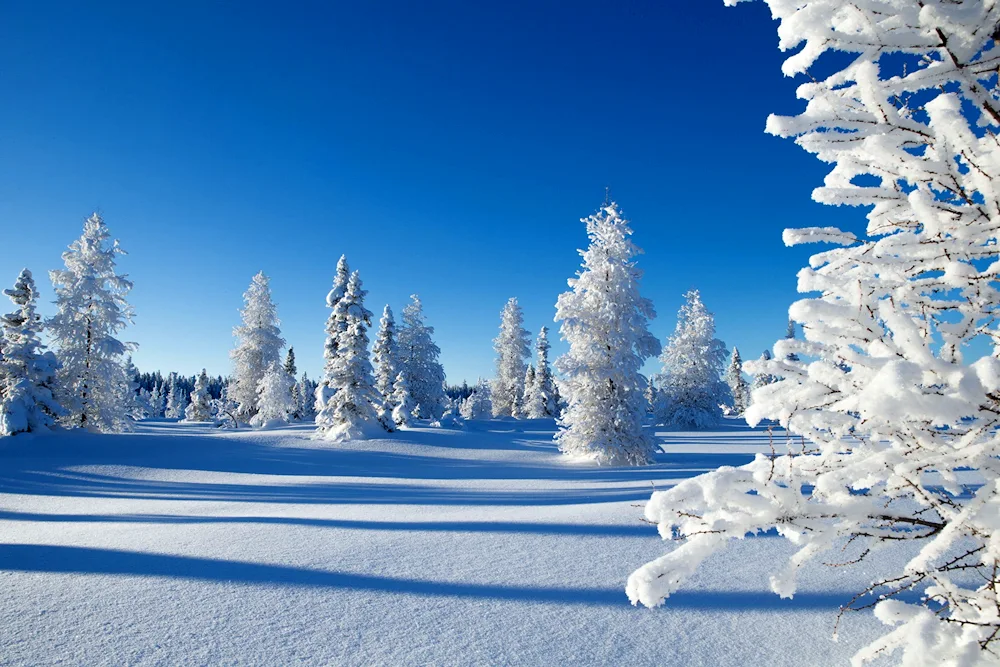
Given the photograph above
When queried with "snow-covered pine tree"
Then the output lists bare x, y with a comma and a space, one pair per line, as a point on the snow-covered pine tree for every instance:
175, 399
258, 347
651, 395
333, 297
200, 409
790, 335
478, 404
739, 390
158, 401
511, 346
307, 404
604, 320
352, 411
690, 387
545, 386
402, 400
274, 398
135, 405
534, 399
384, 356
418, 361
762, 378
91, 310
290, 367
27, 370
889, 403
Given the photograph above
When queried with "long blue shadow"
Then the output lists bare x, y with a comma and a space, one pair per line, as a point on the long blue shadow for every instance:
84, 560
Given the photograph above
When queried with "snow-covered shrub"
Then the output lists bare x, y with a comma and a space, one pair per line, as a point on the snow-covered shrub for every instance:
604, 320
889, 409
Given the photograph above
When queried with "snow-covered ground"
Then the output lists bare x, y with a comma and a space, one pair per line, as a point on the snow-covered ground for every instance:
181, 544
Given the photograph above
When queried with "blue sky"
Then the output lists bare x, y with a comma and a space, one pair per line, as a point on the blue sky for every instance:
448, 148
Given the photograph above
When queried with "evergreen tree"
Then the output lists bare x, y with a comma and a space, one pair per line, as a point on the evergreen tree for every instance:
307, 405
274, 398
199, 410
534, 398
418, 360
738, 387
511, 347
605, 321
352, 411
403, 407
691, 389
259, 344
651, 395
545, 389
478, 404
790, 335
762, 378
92, 310
158, 401
384, 356
176, 401
290, 363
27, 371
333, 297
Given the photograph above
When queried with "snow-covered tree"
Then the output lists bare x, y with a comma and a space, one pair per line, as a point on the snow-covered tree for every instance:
333, 297
91, 310
200, 409
512, 349
739, 389
136, 406
306, 406
384, 356
545, 395
158, 401
290, 367
176, 402
605, 321
690, 387
353, 409
790, 335
651, 395
418, 361
274, 398
762, 378
402, 400
258, 347
478, 404
889, 403
534, 398
27, 370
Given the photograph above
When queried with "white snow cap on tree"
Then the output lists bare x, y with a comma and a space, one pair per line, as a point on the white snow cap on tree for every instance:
27, 371
534, 399
333, 297
274, 398
403, 405
882, 393
175, 399
739, 390
199, 410
92, 310
418, 361
545, 395
384, 357
352, 411
691, 389
478, 404
605, 321
512, 349
259, 344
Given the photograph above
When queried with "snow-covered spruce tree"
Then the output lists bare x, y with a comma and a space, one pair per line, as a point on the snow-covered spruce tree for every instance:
512, 349
290, 367
136, 405
200, 409
691, 389
91, 310
651, 395
384, 356
883, 393
258, 347
175, 399
274, 398
605, 320
27, 371
353, 409
478, 404
402, 401
545, 384
418, 361
534, 398
158, 401
307, 404
336, 293
762, 378
739, 390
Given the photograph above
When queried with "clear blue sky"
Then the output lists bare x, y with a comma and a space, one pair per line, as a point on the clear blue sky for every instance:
448, 148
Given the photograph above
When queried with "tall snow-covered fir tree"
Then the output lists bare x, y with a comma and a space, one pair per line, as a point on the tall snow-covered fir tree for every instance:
545, 394
403, 406
418, 361
333, 297
274, 398
605, 321
307, 403
258, 346
91, 311
158, 401
532, 407
199, 409
27, 370
478, 405
739, 389
651, 395
290, 367
176, 402
384, 356
890, 404
511, 346
353, 410
691, 390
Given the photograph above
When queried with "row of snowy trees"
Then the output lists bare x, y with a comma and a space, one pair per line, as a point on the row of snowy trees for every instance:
521, 389
86, 381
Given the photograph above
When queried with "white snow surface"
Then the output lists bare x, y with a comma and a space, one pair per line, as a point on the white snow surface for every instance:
183, 544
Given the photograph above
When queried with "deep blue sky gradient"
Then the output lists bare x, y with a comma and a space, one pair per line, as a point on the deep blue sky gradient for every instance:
448, 148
